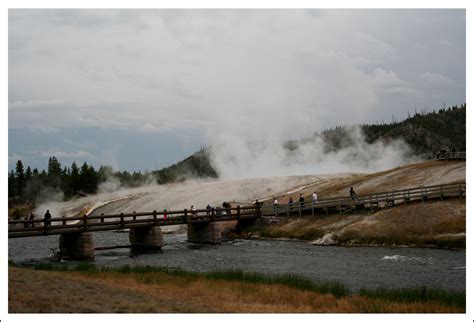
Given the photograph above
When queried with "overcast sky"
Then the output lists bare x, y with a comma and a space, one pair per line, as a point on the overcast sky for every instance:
138, 89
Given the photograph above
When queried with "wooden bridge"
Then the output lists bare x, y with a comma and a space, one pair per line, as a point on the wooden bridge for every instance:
369, 201
145, 232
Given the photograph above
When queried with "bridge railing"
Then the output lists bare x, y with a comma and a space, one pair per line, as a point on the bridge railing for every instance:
451, 156
388, 197
100, 222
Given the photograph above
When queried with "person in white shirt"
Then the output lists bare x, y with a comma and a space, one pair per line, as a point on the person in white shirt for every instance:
314, 197
275, 205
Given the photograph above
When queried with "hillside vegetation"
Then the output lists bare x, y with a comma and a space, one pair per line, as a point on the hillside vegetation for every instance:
197, 165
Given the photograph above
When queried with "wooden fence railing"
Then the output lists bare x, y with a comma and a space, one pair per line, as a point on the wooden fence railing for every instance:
342, 204
102, 222
451, 156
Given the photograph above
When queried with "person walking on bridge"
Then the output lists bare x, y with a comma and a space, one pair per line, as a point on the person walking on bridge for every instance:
290, 203
47, 218
275, 205
314, 197
31, 223
353, 194
301, 200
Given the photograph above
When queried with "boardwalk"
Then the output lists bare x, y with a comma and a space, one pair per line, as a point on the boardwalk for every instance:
102, 222
451, 156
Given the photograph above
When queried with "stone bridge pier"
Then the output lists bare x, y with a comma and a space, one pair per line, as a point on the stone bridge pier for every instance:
204, 232
76, 246
146, 238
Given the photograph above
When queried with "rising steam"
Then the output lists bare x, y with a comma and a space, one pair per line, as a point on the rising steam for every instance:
240, 157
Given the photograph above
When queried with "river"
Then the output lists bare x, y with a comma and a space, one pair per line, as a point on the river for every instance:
355, 267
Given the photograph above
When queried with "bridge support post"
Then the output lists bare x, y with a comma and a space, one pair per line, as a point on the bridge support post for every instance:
204, 233
76, 246
146, 238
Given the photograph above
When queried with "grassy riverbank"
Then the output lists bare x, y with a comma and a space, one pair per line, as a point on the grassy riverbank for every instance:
144, 289
439, 224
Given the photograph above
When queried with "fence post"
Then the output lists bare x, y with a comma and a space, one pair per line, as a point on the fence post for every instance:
84, 221
64, 222
154, 217
101, 217
45, 226
121, 220
238, 212
134, 216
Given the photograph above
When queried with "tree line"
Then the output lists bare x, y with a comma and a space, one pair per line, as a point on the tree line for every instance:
29, 185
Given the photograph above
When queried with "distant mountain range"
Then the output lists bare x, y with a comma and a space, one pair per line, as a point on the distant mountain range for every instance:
425, 133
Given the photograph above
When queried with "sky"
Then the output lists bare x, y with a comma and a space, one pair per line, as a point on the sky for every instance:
143, 89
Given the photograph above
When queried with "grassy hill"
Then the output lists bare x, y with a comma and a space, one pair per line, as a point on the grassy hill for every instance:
197, 165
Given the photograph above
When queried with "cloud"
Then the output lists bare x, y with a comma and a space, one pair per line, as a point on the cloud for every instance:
225, 74
388, 83
437, 80
61, 154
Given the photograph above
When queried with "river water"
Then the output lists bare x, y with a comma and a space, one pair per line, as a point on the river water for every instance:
355, 267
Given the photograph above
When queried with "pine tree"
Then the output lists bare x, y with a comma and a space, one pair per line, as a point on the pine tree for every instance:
89, 179
11, 184
54, 172
20, 179
74, 180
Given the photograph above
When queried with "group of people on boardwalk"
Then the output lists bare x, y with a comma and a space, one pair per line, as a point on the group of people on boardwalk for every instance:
314, 199
219, 211
301, 201
30, 223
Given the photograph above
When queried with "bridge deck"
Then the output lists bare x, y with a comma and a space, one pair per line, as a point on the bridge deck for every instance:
451, 156
101, 222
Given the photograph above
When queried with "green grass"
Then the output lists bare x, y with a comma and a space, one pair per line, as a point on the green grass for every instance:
409, 295
404, 295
